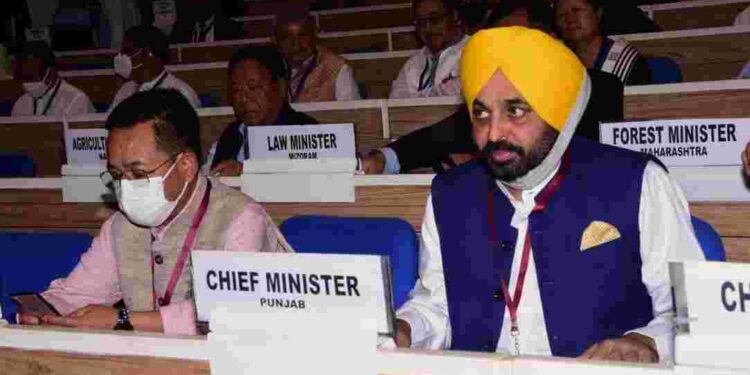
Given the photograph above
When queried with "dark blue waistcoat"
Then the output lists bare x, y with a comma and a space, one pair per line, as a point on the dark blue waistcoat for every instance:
587, 296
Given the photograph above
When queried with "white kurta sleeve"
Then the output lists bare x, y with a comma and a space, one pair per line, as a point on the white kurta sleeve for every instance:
400, 88
666, 235
392, 165
81, 104
426, 311
346, 86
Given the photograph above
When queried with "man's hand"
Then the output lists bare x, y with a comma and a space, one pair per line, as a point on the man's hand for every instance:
374, 162
403, 334
632, 347
31, 320
227, 168
89, 317
746, 162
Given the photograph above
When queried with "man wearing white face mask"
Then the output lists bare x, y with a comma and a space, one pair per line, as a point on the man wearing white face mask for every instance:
45, 93
138, 262
141, 61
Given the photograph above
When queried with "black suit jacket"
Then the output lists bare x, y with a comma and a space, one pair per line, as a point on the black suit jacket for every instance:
432, 146
232, 139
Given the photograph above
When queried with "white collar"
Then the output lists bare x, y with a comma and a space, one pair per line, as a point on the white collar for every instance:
524, 207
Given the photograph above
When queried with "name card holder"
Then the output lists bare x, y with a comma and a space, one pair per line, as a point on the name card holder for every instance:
306, 163
83, 184
245, 339
703, 155
86, 154
712, 300
282, 313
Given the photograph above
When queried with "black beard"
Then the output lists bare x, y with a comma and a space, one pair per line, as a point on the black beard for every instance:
526, 161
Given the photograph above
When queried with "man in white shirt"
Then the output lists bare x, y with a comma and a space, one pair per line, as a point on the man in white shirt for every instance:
45, 93
433, 71
142, 60
315, 73
549, 244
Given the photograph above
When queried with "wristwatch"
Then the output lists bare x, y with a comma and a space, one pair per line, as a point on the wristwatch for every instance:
123, 317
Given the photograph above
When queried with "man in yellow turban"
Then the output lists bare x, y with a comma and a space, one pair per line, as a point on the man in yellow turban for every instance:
549, 244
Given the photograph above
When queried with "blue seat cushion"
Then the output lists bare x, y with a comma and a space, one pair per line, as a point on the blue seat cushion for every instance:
392, 237
30, 261
16, 165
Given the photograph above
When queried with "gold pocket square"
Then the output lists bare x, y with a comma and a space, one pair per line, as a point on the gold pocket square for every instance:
597, 233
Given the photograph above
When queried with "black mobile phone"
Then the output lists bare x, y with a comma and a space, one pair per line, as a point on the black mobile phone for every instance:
33, 304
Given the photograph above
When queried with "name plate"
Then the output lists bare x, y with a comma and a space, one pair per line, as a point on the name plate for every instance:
687, 142
86, 146
301, 142
315, 283
712, 298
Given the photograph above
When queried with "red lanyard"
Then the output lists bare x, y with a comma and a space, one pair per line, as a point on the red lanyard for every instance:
186, 246
541, 202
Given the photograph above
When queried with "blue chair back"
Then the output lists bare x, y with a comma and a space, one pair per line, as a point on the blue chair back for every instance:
30, 261
664, 70
209, 100
370, 236
709, 239
16, 165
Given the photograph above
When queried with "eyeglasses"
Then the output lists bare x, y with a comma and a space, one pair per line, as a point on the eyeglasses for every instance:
112, 179
437, 19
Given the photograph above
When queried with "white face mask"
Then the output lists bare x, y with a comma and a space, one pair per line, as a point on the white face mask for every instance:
124, 65
143, 201
38, 88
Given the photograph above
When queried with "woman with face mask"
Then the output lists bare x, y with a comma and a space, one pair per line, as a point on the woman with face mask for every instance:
45, 93
135, 275
141, 63
579, 24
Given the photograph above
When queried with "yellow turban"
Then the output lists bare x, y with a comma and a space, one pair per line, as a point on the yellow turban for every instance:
548, 75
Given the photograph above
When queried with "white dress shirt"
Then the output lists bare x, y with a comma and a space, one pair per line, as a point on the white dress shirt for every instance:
406, 84
67, 101
666, 234
346, 86
169, 81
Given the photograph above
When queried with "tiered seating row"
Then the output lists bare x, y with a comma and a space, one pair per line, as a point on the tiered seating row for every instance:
678, 15
378, 121
28, 208
703, 55
373, 40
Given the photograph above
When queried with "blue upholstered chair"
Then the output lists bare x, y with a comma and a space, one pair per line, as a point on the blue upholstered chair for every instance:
30, 261
16, 165
709, 240
371, 236
664, 70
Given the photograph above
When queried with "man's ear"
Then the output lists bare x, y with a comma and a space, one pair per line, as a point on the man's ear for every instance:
188, 164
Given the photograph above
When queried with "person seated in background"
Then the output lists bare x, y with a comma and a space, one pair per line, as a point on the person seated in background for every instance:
545, 218
258, 96
5, 72
433, 71
578, 22
166, 208
45, 93
746, 163
203, 21
141, 62
315, 73
472, 14
449, 142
